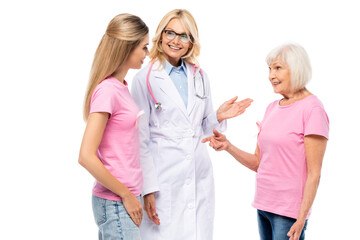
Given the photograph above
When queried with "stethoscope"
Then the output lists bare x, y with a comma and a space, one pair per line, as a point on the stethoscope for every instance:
158, 104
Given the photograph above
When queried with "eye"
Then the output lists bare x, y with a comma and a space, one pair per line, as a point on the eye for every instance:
278, 68
170, 33
184, 36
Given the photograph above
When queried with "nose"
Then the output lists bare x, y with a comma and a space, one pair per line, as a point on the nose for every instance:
272, 74
176, 40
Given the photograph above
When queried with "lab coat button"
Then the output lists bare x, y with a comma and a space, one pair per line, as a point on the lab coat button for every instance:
188, 181
188, 157
190, 206
191, 132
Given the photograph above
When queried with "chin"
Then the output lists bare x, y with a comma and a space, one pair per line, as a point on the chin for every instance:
174, 54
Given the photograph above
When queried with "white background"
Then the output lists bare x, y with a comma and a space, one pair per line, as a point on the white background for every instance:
46, 52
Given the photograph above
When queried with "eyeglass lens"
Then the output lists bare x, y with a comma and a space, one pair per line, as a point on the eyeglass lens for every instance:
171, 35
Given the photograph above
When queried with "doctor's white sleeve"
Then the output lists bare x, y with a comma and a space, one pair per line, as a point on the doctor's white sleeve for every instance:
140, 96
210, 119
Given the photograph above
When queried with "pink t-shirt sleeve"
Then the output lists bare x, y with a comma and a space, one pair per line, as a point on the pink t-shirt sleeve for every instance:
103, 99
317, 123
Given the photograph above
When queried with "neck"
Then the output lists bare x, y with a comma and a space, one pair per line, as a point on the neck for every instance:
120, 74
174, 62
295, 96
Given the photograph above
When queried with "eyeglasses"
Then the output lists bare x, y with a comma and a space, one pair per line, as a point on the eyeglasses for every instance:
171, 35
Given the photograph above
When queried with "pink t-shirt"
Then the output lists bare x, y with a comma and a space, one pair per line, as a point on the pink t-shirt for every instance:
282, 172
119, 149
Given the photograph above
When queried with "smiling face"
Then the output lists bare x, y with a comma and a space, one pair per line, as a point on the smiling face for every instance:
279, 76
174, 49
137, 56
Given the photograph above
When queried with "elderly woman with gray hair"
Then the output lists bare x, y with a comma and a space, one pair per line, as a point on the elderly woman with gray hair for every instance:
290, 148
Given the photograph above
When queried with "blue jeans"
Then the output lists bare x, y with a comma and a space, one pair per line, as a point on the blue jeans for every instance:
113, 221
275, 227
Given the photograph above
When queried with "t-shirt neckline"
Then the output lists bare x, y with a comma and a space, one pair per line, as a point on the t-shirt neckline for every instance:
294, 103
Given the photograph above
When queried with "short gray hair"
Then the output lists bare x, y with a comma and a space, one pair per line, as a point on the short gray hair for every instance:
296, 59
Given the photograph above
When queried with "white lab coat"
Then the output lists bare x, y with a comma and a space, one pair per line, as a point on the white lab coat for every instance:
176, 165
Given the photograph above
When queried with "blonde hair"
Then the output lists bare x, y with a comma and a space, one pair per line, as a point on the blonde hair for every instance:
188, 21
296, 58
122, 36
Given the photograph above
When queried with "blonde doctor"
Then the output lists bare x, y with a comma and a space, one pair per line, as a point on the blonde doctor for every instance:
174, 92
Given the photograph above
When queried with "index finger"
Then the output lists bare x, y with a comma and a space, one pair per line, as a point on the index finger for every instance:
247, 100
135, 219
207, 139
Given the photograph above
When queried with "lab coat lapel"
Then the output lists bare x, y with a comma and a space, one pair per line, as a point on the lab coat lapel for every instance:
191, 90
167, 86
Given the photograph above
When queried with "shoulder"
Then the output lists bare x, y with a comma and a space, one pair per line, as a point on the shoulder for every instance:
316, 120
313, 110
105, 85
107, 96
312, 102
109, 87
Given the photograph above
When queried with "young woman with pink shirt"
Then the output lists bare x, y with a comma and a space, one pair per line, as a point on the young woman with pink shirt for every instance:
110, 146
290, 149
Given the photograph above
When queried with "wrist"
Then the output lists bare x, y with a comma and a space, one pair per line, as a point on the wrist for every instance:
228, 145
125, 194
219, 116
301, 220
148, 195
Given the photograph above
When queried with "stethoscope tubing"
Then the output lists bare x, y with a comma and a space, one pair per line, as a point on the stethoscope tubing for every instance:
148, 83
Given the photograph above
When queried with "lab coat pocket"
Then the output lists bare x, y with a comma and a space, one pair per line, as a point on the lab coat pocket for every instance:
163, 204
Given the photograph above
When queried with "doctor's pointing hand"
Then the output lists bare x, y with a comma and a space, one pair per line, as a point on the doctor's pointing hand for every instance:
174, 93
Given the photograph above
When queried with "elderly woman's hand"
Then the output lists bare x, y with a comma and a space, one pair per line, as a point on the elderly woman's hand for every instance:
218, 142
230, 108
295, 230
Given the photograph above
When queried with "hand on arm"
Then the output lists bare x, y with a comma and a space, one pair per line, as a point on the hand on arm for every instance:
315, 147
230, 108
149, 206
219, 142
88, 159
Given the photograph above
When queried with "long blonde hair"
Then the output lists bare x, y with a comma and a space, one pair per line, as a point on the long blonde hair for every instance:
188, 21
122, 36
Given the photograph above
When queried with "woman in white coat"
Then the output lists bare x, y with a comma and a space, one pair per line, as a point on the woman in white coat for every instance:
178, 184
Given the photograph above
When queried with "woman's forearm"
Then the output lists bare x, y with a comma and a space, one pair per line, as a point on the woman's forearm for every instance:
311, 186
249, 160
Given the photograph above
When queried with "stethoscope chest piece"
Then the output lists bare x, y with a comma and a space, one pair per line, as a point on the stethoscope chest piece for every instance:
158, 106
